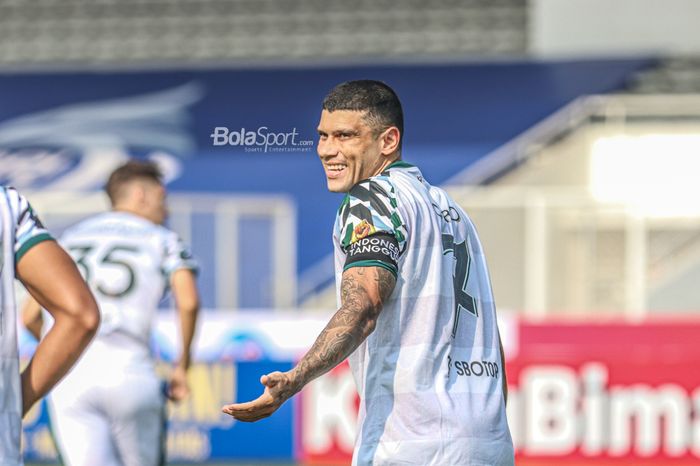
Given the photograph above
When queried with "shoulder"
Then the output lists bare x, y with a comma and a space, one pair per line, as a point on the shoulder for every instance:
376, 194
161, 231
167, 235
161, 237
9, 193
87, 224
172, 243
18, 210
14, 200
370, 207
380, 186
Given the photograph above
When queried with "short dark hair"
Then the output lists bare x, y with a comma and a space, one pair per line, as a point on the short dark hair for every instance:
381, 103
130, 171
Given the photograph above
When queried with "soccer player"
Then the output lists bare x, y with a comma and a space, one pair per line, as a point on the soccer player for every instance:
109, 411
28, 252
417, 316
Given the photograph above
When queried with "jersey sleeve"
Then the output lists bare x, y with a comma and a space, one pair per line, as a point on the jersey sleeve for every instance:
29, 231
372, 231
178, 256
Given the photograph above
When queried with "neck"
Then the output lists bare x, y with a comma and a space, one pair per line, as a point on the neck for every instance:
386, 163
129, 210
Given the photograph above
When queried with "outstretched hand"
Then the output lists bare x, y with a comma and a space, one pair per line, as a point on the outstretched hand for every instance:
279, 387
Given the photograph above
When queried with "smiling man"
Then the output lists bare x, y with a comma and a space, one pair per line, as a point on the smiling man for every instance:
416, 313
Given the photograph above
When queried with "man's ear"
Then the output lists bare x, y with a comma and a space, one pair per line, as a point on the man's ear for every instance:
390, 138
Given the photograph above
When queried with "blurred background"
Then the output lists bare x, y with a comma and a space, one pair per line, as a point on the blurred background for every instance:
568, 129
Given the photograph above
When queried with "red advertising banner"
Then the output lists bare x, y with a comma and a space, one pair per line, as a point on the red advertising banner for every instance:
605, 394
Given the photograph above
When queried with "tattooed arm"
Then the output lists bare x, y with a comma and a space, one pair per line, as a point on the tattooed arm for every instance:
364, 290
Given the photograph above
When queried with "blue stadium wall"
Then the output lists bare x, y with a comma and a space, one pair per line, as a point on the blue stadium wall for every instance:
455, 114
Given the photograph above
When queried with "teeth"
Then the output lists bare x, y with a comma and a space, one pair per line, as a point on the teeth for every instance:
335, 167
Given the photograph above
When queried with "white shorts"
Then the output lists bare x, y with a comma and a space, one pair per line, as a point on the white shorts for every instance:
116, 420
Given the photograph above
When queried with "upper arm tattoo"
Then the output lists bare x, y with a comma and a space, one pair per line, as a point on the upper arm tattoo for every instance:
385, 283
365, 290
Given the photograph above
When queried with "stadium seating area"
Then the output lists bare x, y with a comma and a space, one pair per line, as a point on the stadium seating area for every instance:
185, 31
673, 75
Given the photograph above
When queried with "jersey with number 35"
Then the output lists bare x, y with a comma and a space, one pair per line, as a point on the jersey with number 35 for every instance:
429, 376
127, 262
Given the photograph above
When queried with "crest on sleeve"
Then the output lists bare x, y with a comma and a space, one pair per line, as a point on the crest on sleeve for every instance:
362, 230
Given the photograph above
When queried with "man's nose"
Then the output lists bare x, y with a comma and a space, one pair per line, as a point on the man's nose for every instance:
327, 147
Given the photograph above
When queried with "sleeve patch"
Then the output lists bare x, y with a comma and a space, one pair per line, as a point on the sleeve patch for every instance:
362, 230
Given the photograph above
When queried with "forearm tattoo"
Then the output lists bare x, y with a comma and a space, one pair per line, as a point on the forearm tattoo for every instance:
350, 325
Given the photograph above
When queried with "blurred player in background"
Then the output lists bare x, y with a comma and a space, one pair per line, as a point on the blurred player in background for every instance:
417, 315
28, 252
109, 411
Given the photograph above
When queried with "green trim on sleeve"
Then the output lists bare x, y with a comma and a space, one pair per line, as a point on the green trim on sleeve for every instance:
400, 164
373, 263
30, 243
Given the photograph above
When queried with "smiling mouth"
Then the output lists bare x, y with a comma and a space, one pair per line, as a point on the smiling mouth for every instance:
334, 170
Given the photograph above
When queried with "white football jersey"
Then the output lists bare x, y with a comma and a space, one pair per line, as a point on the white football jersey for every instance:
127, 261
430, 375
20, 229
